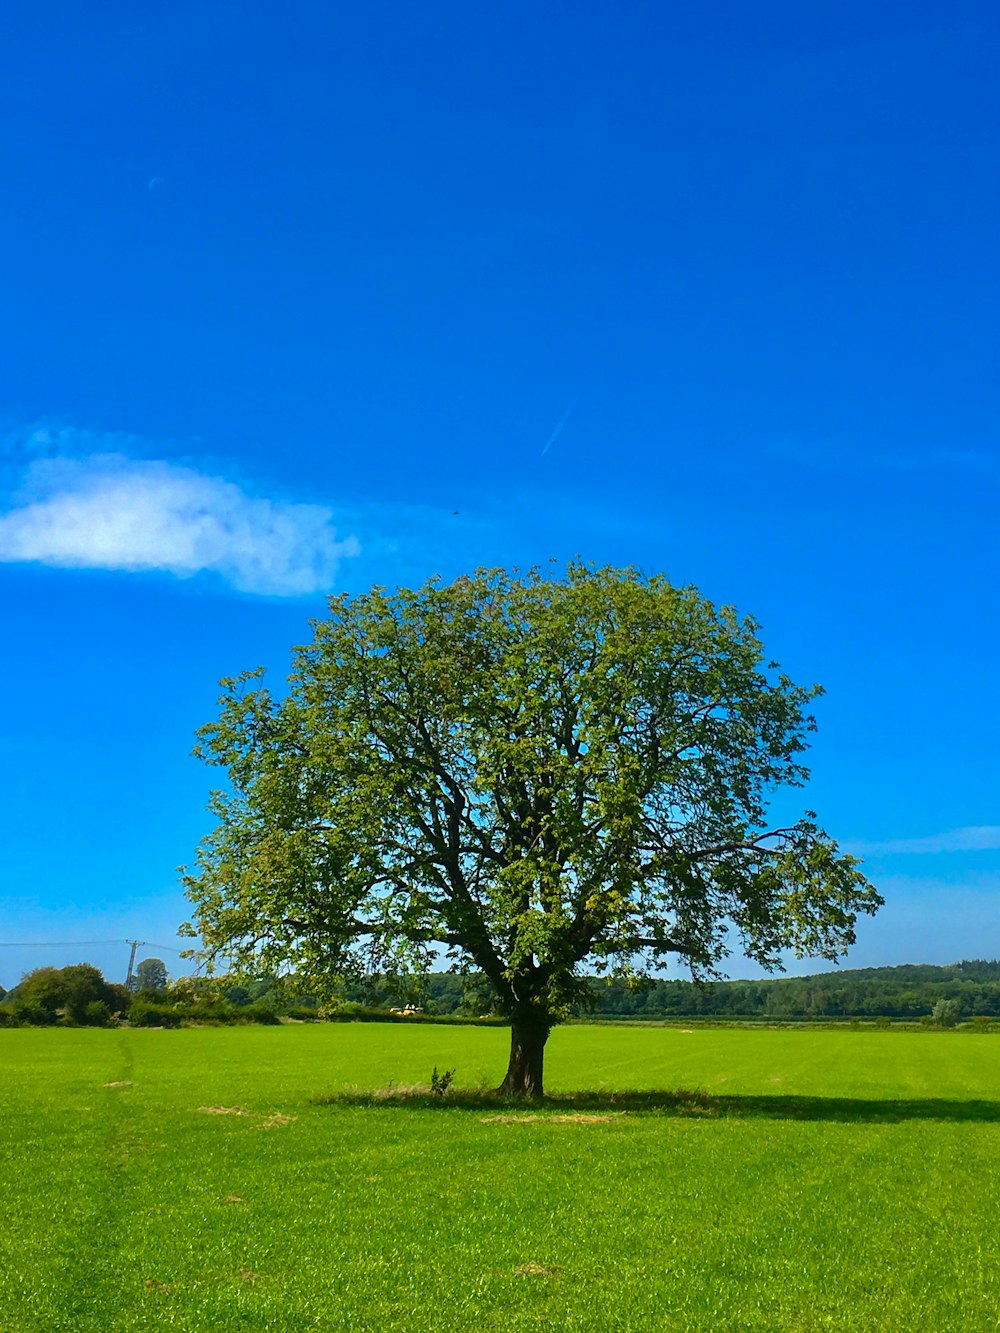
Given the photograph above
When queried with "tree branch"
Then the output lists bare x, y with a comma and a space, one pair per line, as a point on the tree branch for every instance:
413, 934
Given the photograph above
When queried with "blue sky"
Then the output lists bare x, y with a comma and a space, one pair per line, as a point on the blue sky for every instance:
285, 287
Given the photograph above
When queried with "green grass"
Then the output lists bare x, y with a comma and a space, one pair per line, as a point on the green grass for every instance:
806, 1180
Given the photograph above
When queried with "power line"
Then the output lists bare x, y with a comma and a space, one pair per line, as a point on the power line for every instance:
91, 944
56, 944
77, 944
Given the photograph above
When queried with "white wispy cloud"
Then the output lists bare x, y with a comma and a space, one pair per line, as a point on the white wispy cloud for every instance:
109, 510
843, 456
976, 838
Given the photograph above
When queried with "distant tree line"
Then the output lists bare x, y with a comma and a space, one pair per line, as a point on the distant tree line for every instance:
908, 992
79, 995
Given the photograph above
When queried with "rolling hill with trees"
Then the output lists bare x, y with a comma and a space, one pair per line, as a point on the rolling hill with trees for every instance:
906, 992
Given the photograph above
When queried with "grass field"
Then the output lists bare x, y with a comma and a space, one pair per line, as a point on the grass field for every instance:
823, 1179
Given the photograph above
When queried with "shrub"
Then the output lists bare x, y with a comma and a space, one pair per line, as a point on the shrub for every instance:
441, 1082
146, 1014
307, 1013
23, 1013
118, 997
946, 1013
208, 1010
260, 1011
96, 1014
65, 990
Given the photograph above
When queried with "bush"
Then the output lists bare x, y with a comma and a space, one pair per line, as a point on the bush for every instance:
25, 1013
96, 1014
261, 1011
306, 1013
208, 1010
946, 1013
49, 992
146, 1014
440, 1083
117, 996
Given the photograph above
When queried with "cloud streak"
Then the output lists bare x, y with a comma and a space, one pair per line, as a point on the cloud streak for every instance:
110, 511
558, 430
977, 838
843, 457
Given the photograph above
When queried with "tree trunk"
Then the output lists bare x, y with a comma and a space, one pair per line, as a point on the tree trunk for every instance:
527, 1049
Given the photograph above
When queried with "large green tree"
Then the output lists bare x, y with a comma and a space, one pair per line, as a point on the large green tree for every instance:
526, 774
151, 974
68, 991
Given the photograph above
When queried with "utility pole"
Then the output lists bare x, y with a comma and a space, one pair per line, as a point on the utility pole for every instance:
131, 962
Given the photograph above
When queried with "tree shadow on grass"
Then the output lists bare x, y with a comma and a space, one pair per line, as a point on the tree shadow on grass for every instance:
678, 1103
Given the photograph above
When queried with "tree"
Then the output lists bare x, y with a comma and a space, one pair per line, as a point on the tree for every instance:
68, 991
151, 974
525, 773
947, 1013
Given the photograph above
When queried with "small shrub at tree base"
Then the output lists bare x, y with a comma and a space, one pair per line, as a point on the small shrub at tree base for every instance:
440, 1083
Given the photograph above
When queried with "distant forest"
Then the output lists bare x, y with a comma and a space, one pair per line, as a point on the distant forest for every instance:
907, 992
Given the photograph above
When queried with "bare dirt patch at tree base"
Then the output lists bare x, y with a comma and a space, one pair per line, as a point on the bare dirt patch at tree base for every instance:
577, 1118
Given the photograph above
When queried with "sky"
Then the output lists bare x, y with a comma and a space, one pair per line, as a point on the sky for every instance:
302, 298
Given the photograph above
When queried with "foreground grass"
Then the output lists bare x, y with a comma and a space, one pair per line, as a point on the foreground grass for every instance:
223, 1179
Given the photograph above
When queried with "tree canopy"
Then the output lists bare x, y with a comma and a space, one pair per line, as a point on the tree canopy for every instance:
78, 993
151, 974
523, 774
